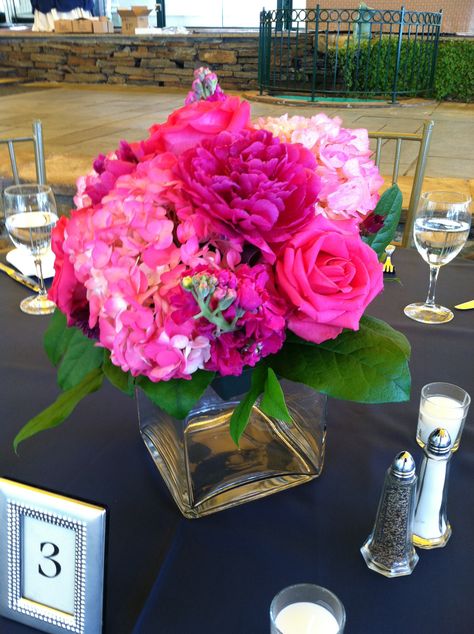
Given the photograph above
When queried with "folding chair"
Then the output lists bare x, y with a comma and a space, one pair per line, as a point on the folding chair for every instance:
424, 140
37, 140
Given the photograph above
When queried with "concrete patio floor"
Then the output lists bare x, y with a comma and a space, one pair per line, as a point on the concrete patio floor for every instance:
80, 121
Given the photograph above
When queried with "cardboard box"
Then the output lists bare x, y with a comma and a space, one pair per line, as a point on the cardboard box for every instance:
134, 18
63, 26
102, 26
82, 26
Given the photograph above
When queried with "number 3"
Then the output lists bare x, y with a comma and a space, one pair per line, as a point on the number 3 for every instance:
57, 566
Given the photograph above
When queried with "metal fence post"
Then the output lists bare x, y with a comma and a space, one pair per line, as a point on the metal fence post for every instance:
315, 52
399, 51
435, 53
261, 48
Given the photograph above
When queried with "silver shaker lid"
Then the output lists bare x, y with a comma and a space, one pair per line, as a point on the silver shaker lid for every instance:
403, 466
439, 442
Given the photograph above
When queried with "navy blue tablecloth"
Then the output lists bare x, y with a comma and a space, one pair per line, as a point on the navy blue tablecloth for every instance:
216, 575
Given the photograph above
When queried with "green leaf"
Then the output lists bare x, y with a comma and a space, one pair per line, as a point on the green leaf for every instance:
389, 206
56, 413
241, 414
273, 401
123, 381
57, 337
80, 357
369, 366
177, 396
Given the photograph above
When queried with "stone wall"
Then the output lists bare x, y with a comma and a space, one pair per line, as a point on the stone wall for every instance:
117, 59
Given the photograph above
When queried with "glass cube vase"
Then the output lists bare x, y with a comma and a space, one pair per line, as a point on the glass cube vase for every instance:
206, 472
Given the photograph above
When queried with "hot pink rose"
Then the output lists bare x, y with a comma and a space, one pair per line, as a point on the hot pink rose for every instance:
192, 124
329, 276
66, 292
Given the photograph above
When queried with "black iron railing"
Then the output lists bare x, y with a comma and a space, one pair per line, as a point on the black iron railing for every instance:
348, 52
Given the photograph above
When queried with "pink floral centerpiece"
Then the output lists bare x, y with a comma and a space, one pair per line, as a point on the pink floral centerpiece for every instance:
218, 244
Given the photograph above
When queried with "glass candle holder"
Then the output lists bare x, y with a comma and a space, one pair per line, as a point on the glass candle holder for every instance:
442, 405
307, 608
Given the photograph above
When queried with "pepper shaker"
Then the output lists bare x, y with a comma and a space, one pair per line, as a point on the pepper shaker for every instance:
431, 528
389, 548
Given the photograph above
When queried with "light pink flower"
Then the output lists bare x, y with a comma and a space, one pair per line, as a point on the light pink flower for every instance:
349, 178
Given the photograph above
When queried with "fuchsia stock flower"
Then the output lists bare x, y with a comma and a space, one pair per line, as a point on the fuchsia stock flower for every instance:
199, 246
205, 86
238, 311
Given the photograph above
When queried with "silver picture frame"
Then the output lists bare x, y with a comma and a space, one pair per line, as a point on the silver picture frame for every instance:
51, 588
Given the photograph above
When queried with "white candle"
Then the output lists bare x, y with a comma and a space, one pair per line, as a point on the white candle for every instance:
305, 617
440, 411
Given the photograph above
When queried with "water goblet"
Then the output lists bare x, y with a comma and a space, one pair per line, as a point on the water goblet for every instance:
30, 215
441, 228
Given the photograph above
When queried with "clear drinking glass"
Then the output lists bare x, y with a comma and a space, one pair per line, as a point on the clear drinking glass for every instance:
442, 225
442, 405
306, 608
30, 215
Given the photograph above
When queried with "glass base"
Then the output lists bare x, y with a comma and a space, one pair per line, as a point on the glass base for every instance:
204, 470
37, 305
426, 314
399, 569
436, 542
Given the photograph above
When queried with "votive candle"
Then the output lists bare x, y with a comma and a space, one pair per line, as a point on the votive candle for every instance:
442, 405
306, 608
305, 617
437, 411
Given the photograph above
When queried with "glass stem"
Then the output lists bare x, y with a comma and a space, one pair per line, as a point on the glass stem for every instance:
39, 275
430, 300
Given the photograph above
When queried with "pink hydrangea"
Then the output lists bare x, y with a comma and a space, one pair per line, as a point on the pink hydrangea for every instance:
349, 178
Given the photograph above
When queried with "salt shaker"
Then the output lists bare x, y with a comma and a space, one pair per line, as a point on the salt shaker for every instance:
389, 549
431, 528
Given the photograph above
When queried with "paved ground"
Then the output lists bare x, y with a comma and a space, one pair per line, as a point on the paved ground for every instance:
80, 121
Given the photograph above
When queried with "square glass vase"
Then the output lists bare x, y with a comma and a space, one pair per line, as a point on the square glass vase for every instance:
206, 472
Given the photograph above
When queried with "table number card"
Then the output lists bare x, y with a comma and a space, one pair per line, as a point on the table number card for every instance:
51, 560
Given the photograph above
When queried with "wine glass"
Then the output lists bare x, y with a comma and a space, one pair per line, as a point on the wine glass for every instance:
441, 229
30, 215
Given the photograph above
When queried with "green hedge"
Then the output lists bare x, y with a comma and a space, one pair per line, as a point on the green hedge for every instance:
454, 77
368, 67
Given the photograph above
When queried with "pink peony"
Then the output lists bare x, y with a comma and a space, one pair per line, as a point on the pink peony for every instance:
349, 178
248, 187
329, 276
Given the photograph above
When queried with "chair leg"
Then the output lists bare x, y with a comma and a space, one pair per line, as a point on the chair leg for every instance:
39, 152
